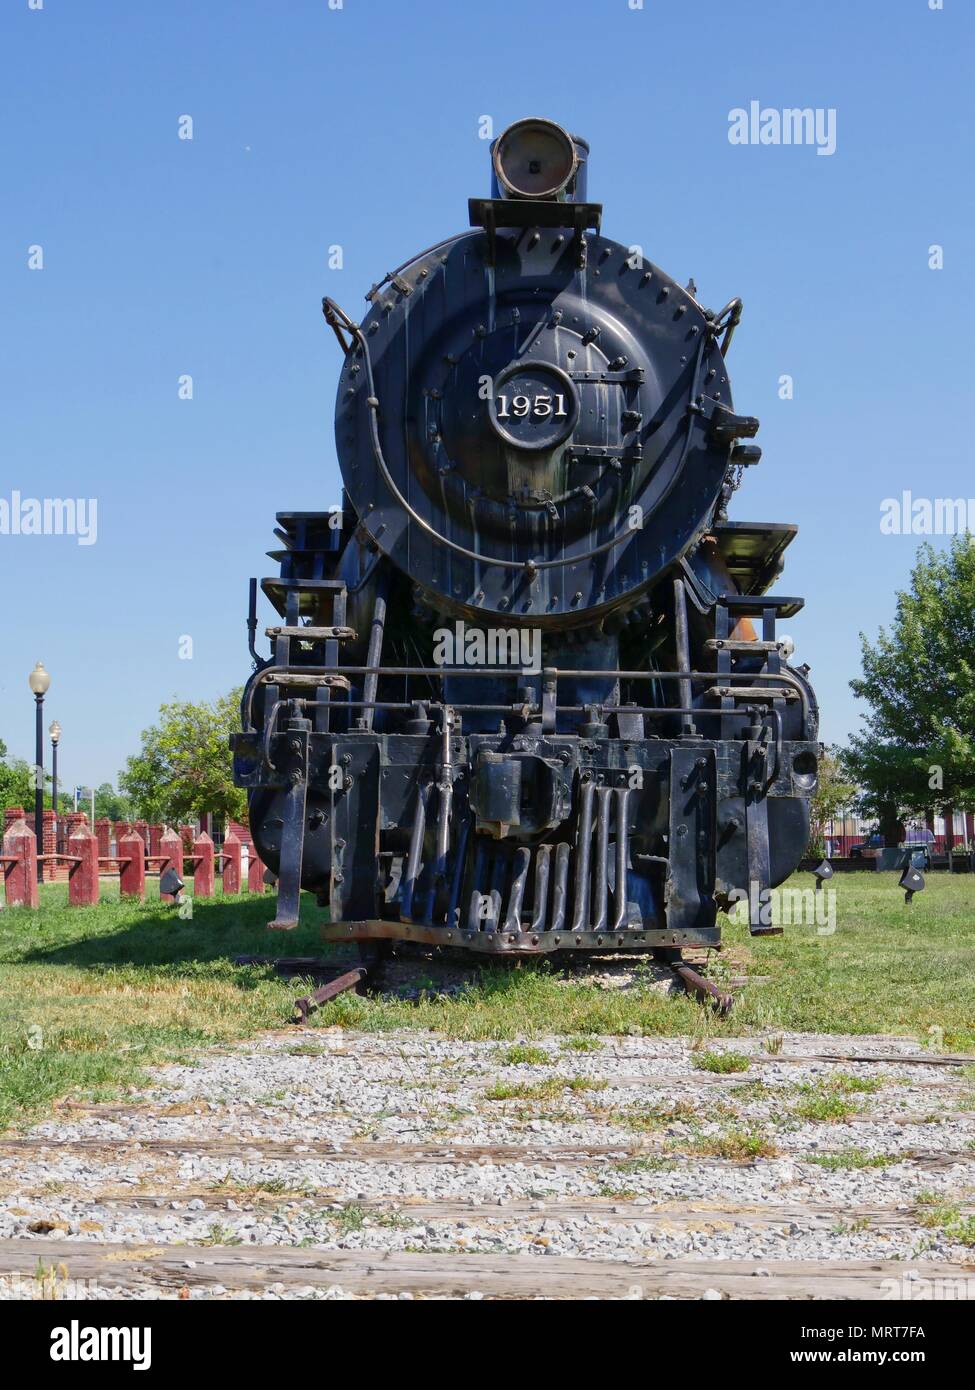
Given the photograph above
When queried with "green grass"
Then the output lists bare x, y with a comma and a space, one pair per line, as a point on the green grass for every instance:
721, 1061
732, 1143
886, 969
523, 1054
829, 1099
851, 1158
549, 1089
947, 1218
823, 1105
89, 997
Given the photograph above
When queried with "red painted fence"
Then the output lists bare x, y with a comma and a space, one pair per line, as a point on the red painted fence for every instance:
84, 856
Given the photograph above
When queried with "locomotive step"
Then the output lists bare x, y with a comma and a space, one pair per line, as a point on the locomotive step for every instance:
729, 644
313, 634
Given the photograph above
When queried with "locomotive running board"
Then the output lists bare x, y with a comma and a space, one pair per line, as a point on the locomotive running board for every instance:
524, 943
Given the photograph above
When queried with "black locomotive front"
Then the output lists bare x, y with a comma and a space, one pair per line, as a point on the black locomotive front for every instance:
528, 692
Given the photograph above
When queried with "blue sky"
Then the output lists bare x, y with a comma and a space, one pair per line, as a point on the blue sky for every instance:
358, 126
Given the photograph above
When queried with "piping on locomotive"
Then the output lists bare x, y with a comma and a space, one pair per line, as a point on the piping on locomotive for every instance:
538, 447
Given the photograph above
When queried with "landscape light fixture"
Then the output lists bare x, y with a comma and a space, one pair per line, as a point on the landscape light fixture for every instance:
54, 729
912, 881
823, 871
40, 682
170, 882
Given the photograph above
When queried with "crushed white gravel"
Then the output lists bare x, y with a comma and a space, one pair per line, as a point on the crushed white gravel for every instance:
292, 1139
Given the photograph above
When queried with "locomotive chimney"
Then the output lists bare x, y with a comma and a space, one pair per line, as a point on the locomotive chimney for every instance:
536, 159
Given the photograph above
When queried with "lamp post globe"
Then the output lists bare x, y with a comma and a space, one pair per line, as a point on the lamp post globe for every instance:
54, 729
39, 681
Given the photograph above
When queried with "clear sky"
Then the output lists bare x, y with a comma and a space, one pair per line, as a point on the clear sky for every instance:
358, 126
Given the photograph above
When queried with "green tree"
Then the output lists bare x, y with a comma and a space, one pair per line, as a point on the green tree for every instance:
917, 749
834, 793
183, 768
16, 781
111, 804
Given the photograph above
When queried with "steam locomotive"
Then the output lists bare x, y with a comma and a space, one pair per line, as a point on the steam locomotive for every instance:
528, 693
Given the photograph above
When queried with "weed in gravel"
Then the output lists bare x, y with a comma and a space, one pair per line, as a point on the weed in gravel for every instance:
851, 1228
581, 1045
735, 1144
586, 1083
523, 1054
549, 1089
269, 1187
645, 1119
749, 1091
946, 1217
848, 1084
392, 1220
773, 1046
647, 1163
349, 1218
219, 1235
819, 1106
851, 1158
721, 1061
828, 1100
50, 1281
963, 1231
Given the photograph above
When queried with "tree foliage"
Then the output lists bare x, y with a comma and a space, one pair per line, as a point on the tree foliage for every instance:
183, 768
834, 793
917, 748
16, 781
112, 804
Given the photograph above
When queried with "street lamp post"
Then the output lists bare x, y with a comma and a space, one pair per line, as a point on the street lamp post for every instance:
54, 730
39, 682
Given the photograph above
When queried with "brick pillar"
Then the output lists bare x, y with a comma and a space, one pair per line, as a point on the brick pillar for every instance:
83, 875
255, 872
20, 876
122, 828
231, 863
203, 871
49, 837
50, 833
172, 847
155, 839
141, 827
11, 814
132, 874
186, 835
103, 833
